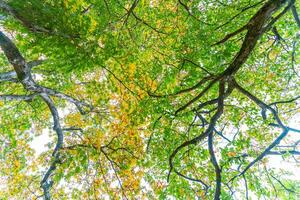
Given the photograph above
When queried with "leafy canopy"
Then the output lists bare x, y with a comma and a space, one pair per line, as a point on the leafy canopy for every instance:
148, 99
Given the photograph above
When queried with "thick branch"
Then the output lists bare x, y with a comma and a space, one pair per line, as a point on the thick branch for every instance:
296, 16
201, 136
46, 183
8, 76
210, 144
79, 104
255, 27
23, 72
14, 57
17, 97
289, 128
12, 75
275, 19
284, 132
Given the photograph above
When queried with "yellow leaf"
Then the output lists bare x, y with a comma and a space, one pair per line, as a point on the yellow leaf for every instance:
132, 69
231, 154
17, 164
93, 25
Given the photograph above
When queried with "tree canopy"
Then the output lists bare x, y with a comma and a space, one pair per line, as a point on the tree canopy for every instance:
149, 99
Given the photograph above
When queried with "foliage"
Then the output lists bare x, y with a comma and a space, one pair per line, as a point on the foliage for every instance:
155, 99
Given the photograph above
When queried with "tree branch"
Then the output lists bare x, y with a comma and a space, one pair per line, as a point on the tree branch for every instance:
201, 136
202, 68
23, 72
190, 13
284, 132
285, 101
243, 10
290, 128
12, 75
210, 144
275, 19
79, 104
8, 77
293, 152
17, 97
46, 183
129, 12
296, 16
255, 27
280, 183
230, 35
199, 84
198, 96
34, 28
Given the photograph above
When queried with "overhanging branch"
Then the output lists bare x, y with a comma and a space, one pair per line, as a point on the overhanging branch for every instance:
23, 72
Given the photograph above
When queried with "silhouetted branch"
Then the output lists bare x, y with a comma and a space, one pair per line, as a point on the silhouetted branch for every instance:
284, 132
280, 183
210, 143
199, 84
23, 72
17, 97
238, 14
296, 16
46, 183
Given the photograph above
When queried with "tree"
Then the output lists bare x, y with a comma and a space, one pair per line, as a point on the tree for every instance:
149, 99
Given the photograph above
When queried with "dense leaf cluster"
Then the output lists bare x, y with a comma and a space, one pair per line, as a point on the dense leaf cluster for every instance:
149, 99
